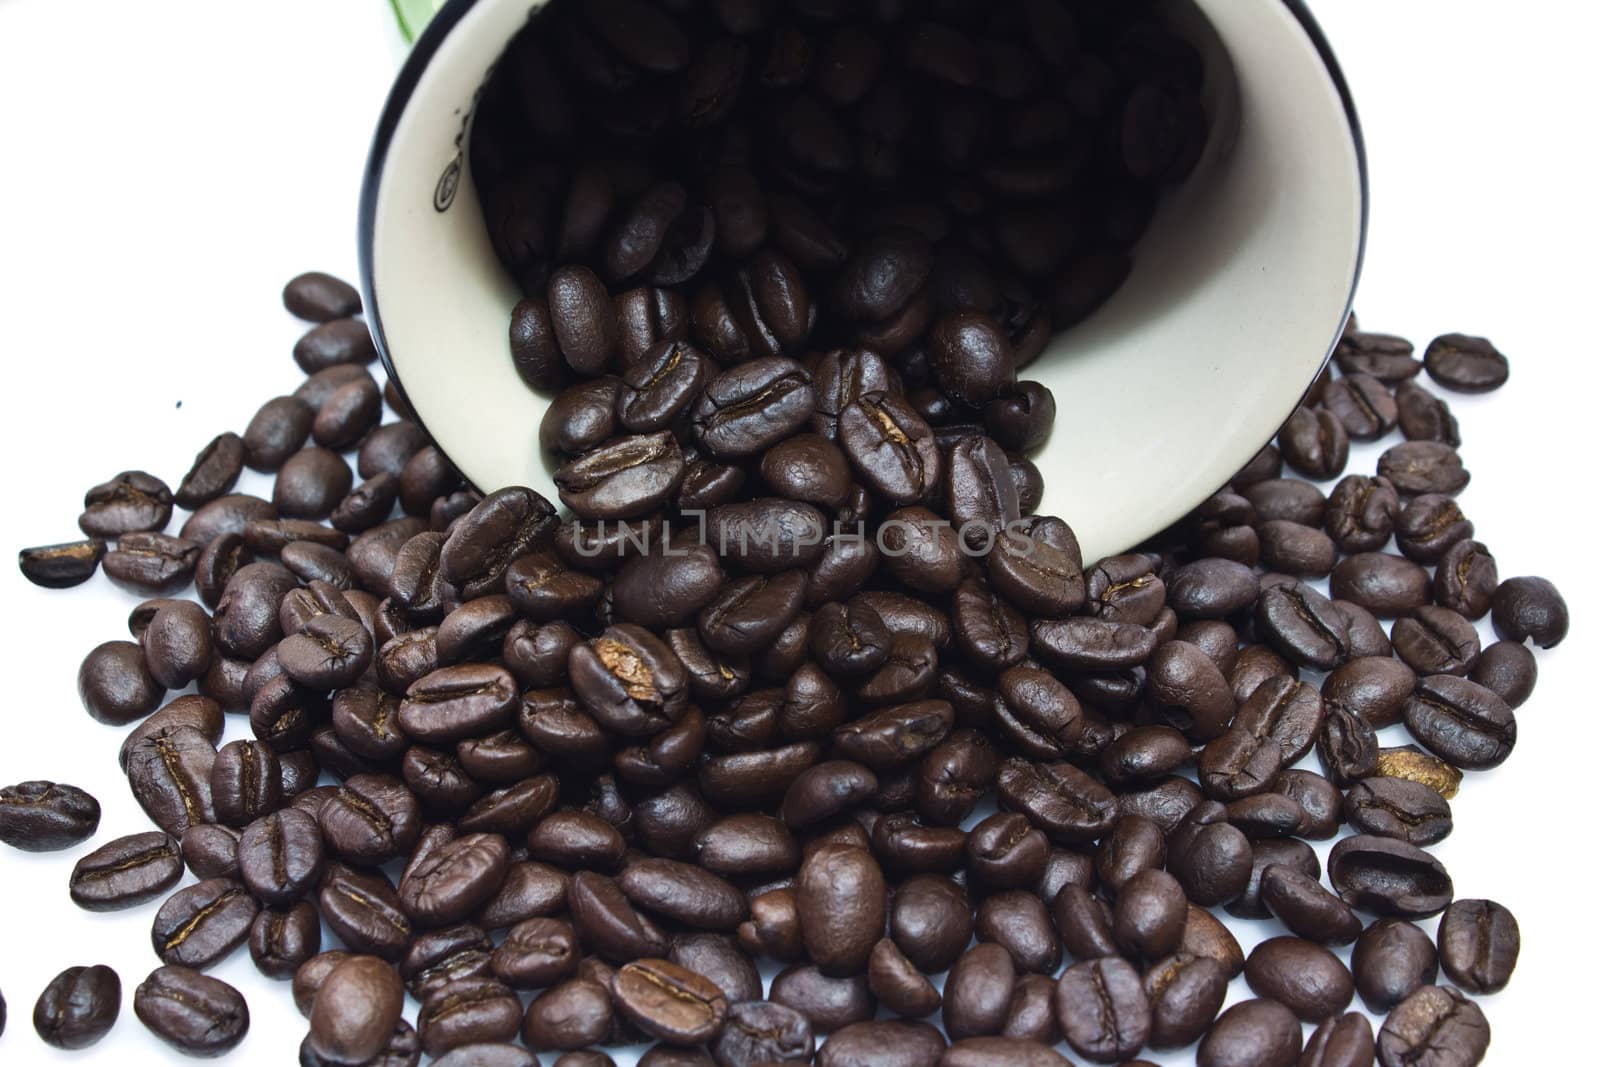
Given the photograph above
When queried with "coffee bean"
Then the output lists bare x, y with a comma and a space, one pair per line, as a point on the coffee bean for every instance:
1252, 1033
465, 1011
1385, 357
1340, 1040
759, 1031
842, 905
125, 872
1418, 467
318, 297
1527, 608
1301, 975
1363, 405
1185, 992
1389, 877
78, 1007
196, 1014
1478, 945
210, 850
1461, 721
46, 816
573, 1014
1314, 443
1465, 364
668, 1002
1395, 807
355, 1010
629, 477
1425, 417
282, 939
1436, 1022
488, 1054
201, 924
1507, 669
61, 566
889, 1043
1103, 1010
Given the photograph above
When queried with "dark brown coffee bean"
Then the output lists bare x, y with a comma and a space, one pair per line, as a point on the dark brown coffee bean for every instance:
1436, 1024
201, 924
1314, 442
196, 1014
355, 1010
127, 871
668, 1002
1461, 721
1252, 1033
1389, 877
1185, 993
1478, 945
1507, 669
1465, 364
1528, 608
883, 1043
1103, 1010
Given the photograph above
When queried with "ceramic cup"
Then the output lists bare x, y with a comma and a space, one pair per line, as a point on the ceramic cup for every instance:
1238, 292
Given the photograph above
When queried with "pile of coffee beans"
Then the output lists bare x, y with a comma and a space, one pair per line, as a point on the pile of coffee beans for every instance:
498, 753
942, 183
803, 681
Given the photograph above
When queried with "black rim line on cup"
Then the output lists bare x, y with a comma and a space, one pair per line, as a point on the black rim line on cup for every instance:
445, 21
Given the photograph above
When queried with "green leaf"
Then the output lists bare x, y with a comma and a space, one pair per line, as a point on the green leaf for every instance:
414, 15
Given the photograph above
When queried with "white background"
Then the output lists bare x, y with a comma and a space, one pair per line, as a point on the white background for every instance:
168, 165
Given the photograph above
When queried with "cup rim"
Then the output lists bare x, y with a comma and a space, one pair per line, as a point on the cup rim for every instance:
444, 22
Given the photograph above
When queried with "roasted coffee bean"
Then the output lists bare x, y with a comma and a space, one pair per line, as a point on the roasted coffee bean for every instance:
1429, 525
1347, 747
1361, 513
1425, 417
1465, 364
1530, 608
439, 958
282, 939
883, 1043
61, 566
842, 902
977, 992
465, 1011
318, 297
211, 850
1135, 844
203, 923
1435, 1024
1287, 500
132, 501
246, 782
1185, 993
151, 563
371, 820
583, 319
1304, 626
78, 1007
608, 922
1314, 442
460, 701
1435, 640
1478, 945
1389, 877
898, 984
749, 409
668, 1002
1391, 960
1417, 467
1252, 1033
1190, 692
451, 883
576, 1013
46, 816
489, 1054
196, 1014
891, 448
1301, 975
1211, 858
1461, 721
1507, 669
1103, 1010
1363, 404
1339, 1041
931, 921
355, 1010
1149, 915
1385, 357
125, 872
1394, 807
629, 680
1018, 921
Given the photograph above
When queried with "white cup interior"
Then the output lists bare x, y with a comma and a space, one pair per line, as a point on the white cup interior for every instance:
1238, 290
